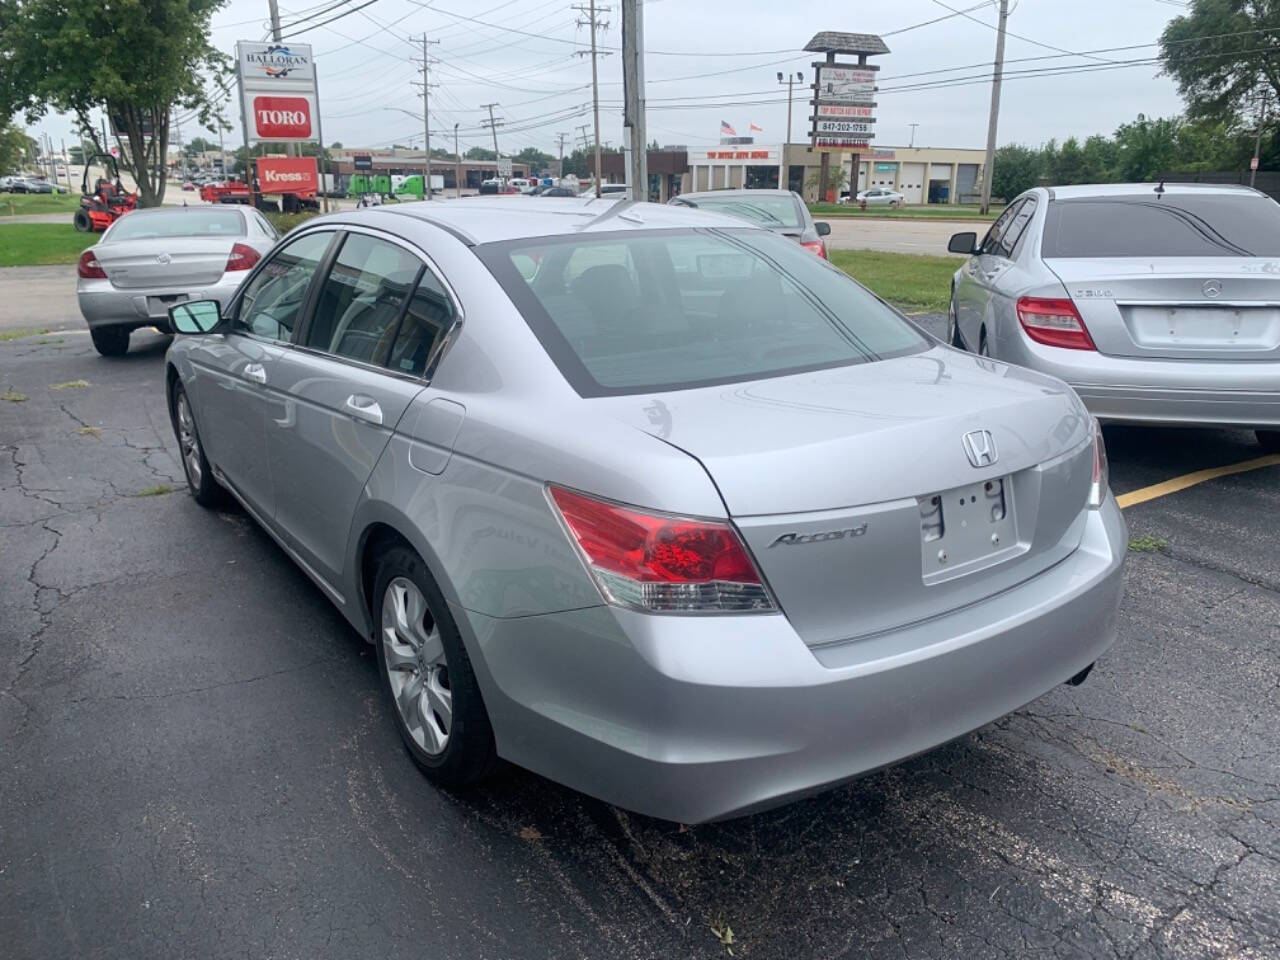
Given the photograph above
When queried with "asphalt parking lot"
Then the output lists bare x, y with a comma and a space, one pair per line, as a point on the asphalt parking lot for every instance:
198, 761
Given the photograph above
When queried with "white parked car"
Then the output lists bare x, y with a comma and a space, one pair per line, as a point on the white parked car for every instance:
876, 197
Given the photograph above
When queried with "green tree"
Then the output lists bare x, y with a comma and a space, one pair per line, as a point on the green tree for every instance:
1220, 53
1068, 165
1017, 168
1099, 158
139, 58
1145, 148
480, 153
13, 147
837, 180
336, 145
535, 158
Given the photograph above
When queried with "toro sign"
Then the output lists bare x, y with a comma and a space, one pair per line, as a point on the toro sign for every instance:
280, 118
277, 91
288, 175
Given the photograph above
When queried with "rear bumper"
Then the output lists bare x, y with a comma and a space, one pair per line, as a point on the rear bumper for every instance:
693, 719
103, 305
1206, 393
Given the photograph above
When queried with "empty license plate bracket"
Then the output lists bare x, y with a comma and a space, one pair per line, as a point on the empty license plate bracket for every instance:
966, 529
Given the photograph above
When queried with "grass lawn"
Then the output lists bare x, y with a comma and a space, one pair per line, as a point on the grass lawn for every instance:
16, 204
935, 211
36, 244
916, 284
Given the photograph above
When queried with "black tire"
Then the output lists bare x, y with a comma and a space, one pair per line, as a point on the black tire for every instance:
984, 348
110, 341
956, 340
199, 472
1269, 439
82, 221
469, 754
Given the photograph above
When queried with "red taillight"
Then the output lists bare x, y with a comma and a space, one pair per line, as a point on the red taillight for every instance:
1054, 322
816, 246
242, 257
661, 563
89, 268
1101, 469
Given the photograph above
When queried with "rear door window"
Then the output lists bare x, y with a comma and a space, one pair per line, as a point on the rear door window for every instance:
422, 331
1017, 227
359, 306
668, 310
991, 242
1168, 225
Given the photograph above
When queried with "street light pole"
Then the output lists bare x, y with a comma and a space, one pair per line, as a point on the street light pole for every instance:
457, 165
913, 134
782, 158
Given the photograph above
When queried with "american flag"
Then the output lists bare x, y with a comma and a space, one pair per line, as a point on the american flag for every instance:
726, 130
755, 128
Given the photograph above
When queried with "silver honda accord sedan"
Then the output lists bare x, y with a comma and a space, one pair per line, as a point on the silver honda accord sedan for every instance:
1158, 303
150, 259
648, 500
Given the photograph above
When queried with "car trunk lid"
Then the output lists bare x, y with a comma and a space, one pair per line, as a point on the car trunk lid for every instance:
855, 489
165, 262
1189, 308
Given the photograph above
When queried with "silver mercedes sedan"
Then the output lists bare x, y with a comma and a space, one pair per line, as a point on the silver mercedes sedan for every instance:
648, 500
1158, 303
150, 259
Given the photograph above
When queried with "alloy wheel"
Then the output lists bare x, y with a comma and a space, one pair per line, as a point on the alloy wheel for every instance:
189, 441
417, 668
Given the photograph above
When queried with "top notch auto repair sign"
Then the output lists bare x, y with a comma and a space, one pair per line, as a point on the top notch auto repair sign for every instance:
277, 90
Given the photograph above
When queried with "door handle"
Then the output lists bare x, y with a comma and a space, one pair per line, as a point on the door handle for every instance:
255, 372
366, 408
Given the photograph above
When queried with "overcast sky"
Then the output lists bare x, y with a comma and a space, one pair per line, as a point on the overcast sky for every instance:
707, 61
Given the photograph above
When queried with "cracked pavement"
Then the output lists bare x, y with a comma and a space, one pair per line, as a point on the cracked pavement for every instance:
198, 761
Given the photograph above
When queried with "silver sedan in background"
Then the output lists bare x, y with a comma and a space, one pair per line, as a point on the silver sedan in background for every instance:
150, 259
782, 211
1158, 303
647, 499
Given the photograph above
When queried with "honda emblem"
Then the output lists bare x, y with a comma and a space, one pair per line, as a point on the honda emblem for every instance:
981, 448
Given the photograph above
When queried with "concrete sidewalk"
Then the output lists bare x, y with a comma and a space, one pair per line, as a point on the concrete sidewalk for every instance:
39, 298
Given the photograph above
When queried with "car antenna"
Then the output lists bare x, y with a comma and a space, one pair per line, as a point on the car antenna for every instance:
615, 210
1160, 187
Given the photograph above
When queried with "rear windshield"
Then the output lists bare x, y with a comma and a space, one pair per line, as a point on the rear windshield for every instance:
183, 222
668, 310
1202, 225
772, 211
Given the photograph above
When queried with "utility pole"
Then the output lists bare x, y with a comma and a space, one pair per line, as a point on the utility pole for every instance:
633, 97
996, 76
492, 126
560, 139
426, 117
457, 165
290, 148
177, 133
1257, 137
782, 158
913, 134
592, 13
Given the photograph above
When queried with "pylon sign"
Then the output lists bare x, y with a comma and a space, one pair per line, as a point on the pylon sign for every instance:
843, 106
277, 90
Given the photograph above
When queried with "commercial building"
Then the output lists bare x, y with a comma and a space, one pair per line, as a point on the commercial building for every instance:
921, 174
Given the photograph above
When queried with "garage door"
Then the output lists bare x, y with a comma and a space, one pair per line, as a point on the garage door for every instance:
912, 187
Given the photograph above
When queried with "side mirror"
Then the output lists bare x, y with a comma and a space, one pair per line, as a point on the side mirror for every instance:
964, 243
823, 228
195, 316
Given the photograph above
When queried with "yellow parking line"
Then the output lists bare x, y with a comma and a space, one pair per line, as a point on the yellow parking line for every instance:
1166, 487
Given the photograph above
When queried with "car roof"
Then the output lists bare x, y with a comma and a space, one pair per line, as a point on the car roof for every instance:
767, 192
1082, 190
476, 220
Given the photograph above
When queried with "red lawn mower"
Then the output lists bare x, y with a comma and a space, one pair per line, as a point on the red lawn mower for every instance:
108, 201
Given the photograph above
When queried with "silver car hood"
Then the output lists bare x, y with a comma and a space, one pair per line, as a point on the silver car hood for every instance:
861, 434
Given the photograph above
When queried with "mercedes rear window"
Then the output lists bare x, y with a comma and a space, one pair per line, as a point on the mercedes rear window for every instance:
767, 211
1168, 225
182, 222
636, 312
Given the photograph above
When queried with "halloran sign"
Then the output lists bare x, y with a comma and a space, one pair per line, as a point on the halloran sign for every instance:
277, 90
